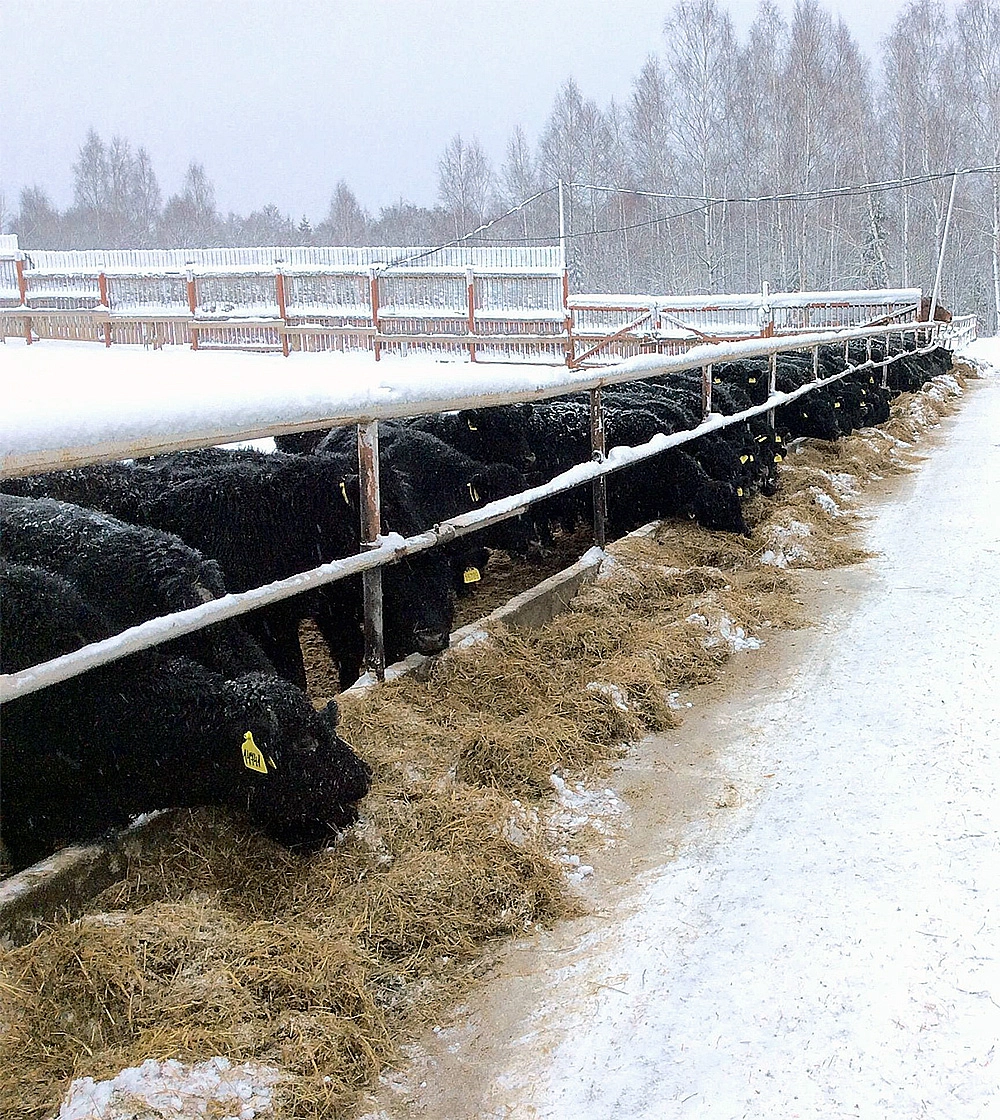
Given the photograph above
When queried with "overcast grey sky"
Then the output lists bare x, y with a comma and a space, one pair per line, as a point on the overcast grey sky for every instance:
281, 98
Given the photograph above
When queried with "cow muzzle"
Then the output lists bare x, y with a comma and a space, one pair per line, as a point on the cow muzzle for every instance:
431, 641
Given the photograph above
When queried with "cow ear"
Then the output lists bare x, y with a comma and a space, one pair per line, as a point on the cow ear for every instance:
526, 408
479, 484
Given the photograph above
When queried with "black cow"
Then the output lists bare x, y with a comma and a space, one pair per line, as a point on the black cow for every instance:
83, 757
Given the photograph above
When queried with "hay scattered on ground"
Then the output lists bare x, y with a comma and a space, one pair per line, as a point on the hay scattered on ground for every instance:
217, 942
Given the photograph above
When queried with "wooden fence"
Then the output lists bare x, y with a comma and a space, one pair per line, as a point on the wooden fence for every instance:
502, 304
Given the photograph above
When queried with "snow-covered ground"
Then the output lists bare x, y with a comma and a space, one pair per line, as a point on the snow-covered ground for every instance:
834, 949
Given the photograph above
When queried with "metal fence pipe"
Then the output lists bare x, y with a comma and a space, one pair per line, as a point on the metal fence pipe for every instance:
634, 369
772, 384
598, 451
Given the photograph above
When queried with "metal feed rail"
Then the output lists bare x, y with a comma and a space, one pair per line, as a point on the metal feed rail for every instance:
382, 550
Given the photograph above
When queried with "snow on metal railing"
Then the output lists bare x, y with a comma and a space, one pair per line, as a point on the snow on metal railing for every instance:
391, 547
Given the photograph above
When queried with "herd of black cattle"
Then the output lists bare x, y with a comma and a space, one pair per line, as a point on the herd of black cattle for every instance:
220, 717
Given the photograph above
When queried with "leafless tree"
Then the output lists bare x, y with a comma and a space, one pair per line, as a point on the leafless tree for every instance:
38, 224
701, 52
466, 184
190, 219
345, 223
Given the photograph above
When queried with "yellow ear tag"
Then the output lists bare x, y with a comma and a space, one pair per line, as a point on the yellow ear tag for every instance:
751, 380
253, 758
836, 404
717, 381
777, 458
472, 427
471, 575
343, 490
744, 458
473, 492
751, 458
739, 491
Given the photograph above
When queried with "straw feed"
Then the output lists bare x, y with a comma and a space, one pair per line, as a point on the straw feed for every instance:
217, 942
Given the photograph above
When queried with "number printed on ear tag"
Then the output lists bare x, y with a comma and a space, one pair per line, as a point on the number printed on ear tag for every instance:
253, 757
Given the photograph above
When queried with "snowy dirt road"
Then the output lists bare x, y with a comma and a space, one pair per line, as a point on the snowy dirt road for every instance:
826, 941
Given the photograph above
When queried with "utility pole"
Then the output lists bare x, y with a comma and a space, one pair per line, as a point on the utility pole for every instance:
944, 242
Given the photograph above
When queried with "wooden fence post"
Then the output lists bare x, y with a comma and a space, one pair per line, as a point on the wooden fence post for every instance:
470, 285
192, 294
373, 287
102, 287
706, 392
371, 527
772, 384
568, 321
598, 445
22, 291
279, 289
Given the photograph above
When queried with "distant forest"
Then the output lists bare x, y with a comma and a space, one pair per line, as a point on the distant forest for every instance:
715, 128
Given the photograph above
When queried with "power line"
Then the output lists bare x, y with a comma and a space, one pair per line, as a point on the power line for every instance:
798, 196
704, 202
467, 236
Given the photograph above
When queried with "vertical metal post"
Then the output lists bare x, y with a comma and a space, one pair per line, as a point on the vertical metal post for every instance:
279, 291
470, 284
868, 350
192, 294
568, 320
371, 526
772, 383
598, 446
944, 242
102, 288
373, 288
706, 392
562, 225
815, 363
767, 327
22, 292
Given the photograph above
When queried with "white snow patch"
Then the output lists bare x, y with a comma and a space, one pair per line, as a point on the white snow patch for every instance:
723, 629
787, 549
825, 502
846, 485
477, 637
577, 807
612, 691
594, 555
172, 1090
267, 445
609, 565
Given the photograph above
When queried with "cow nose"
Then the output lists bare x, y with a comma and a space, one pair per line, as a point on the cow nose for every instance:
431, 641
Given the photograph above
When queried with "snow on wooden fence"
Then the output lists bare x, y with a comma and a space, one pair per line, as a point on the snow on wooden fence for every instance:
489, 304
382, 550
